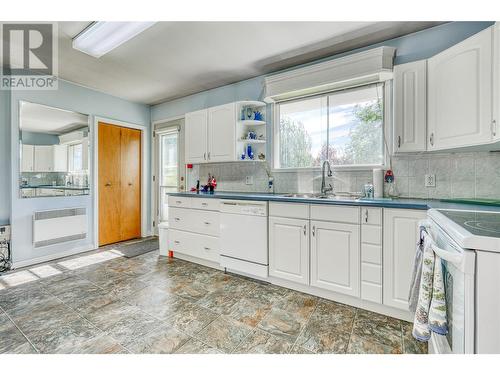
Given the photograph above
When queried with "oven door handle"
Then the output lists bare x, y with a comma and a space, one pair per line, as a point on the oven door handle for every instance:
446, 255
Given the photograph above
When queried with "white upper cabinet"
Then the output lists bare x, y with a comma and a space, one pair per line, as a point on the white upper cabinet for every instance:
221, 133
460, 94
196, 124
399, 243
410, 114
28, 158
495, 125
44, 159
335, 257
61, 158
289, 249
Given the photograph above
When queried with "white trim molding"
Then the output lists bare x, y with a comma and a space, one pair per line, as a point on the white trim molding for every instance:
144, 175
371, 66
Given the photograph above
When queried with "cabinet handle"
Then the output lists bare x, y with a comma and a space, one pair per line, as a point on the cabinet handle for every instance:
305, 230
494, 128
177, 219
366, 216
206, 248
206, 223
177, 242
204, 204
431, 139
178, 202
314, 230
209, 155
204, 156
399, 141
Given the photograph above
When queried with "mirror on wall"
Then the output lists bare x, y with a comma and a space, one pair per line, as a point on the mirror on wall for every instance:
54, 152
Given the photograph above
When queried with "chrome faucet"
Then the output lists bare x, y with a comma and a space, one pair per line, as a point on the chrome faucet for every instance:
324, 188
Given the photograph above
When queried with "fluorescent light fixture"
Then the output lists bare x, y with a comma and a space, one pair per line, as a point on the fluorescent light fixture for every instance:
101, 37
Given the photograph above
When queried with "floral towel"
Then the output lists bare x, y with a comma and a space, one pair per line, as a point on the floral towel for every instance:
421, 330
438, 320
430, 313
416, 276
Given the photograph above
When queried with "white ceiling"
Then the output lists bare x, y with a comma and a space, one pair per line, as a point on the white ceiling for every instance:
175, 59
39, 118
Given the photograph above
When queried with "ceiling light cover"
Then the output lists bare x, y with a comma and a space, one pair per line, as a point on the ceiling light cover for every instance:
102, 37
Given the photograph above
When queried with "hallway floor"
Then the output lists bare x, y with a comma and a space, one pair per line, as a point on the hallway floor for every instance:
102, 302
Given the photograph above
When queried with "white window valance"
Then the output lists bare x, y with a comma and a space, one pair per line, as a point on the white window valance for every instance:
371, 66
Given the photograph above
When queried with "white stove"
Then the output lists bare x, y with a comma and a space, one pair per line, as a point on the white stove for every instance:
468, 242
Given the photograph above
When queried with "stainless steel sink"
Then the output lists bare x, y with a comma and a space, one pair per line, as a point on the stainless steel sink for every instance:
336, 196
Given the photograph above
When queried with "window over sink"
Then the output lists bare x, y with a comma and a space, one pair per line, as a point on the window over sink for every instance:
344, 127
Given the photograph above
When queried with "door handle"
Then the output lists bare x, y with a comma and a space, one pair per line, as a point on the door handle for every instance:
305, 229
129, 184
108, 184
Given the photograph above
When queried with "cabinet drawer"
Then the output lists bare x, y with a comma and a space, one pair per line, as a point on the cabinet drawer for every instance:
292, 210
371, 215
174, 201
205, 204
371, 253
371, 292
371, 234
198, 221
193, 244
335, 213
371, 273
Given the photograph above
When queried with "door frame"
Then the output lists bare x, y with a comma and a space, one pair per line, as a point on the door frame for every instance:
95, 172
155, 166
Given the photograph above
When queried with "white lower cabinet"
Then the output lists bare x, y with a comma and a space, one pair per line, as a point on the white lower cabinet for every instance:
289, 249
335, 257
400, 241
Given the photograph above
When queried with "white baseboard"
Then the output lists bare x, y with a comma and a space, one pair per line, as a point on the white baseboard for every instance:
47, 258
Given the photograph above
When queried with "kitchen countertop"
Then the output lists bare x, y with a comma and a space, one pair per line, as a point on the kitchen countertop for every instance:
57, 187
408, 203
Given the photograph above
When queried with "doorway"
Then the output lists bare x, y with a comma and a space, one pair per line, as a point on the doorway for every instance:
170, 174
119, 180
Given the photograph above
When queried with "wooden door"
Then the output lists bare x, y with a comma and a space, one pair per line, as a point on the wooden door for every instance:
335, 257
119, 183
289, 249
400, 239
130, 195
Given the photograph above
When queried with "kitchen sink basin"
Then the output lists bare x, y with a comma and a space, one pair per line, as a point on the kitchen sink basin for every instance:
336, 196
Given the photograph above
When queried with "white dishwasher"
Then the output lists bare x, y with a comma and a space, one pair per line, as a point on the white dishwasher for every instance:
243, 237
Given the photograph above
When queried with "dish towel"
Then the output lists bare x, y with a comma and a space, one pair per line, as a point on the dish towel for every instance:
430, 313
416, 275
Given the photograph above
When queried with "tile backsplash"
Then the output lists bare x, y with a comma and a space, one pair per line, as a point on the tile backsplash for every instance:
458, 175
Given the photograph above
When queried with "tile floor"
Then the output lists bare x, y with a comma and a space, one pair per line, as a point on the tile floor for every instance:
101, 302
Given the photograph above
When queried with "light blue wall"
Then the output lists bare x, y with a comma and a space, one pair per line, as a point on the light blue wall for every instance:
43, 139
75, 98
4, 156
417, 46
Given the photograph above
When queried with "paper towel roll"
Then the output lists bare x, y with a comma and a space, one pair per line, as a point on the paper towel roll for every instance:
378, 183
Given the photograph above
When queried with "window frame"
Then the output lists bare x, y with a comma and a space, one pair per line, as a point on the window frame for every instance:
71, 159
386, 132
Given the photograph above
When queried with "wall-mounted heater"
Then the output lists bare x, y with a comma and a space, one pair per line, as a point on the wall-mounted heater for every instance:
58, 226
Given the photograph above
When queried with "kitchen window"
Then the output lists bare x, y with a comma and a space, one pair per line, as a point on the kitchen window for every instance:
344, 127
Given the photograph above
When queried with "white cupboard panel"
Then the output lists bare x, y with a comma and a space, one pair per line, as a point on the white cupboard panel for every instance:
400, 241
222, 133
341, 214
196, 124
335, 257
289, 249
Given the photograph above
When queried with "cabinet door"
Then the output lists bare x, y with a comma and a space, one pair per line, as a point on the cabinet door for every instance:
60, 158
44, 159
410, 113
289, 249
221, 133
495, 125
460, 94
27, 158
399, 245
335, 259
196, 137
